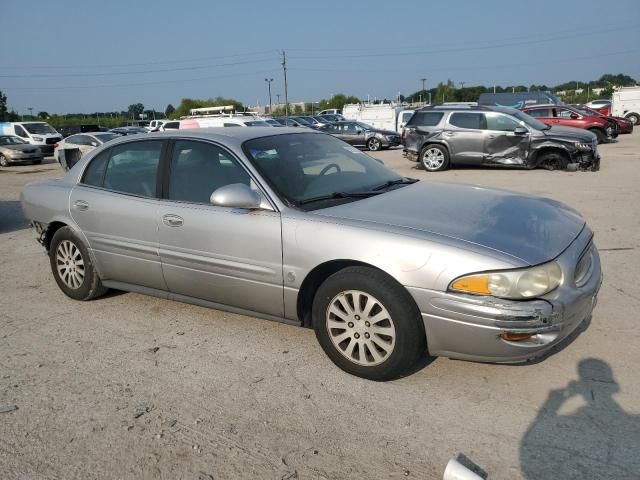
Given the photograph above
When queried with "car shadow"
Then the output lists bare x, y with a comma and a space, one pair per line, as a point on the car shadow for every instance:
11, 217
582, 432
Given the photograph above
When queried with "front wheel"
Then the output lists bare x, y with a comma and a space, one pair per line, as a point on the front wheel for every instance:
600, 135
374, 144
434, 158
3, 161
368, 324
72, 266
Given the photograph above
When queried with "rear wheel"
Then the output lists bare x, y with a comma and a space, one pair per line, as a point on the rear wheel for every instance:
72, 266
634, 118
368, 324
374, 144
600, 135
434, 158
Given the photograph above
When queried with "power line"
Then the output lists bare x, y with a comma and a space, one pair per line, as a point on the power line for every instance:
112, 74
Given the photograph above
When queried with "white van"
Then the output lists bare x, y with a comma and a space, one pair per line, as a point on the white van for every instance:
625, 102
385, 116
36, 133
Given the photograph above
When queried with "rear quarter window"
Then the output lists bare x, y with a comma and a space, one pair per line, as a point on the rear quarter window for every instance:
425, 119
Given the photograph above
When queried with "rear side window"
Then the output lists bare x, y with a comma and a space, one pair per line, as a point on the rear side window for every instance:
426, 119
94, 173
540, 113
474, 121
133, 168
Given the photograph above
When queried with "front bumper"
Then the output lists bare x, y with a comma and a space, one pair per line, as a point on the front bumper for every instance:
25, 158
469, 327
390, 141
585, 160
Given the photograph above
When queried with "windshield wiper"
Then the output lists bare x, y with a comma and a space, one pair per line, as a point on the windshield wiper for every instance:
335, 195
399, 181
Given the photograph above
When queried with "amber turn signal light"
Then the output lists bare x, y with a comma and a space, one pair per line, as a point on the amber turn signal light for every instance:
515, 337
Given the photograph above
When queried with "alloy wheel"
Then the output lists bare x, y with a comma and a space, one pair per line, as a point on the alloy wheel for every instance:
70, 264
433, 158
360, 328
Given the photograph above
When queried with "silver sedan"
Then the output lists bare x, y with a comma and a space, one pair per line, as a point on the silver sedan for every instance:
302, 228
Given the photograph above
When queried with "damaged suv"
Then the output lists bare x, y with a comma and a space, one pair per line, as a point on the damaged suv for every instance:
442, 136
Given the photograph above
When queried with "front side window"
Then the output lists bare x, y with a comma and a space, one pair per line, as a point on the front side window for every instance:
198, 169
11, 140
305, 166
20, 132
564, 113
501, 123
133, 168
470, 120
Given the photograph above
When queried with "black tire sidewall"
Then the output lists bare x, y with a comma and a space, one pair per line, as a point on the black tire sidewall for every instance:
444, 151
600, 135
87, 287
410, 336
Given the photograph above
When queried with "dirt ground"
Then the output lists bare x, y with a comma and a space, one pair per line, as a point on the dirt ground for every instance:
129, 386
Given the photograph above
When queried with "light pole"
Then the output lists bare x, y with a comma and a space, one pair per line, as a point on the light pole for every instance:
30, 112
269, 80
278, 95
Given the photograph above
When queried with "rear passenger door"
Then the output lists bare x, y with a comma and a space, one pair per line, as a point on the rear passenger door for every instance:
116, 207
465, 134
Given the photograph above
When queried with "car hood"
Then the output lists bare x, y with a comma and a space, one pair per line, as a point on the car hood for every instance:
571, 133
530, 229
21, 148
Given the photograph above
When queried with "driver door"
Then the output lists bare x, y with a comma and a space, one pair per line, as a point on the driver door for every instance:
224, 255
503, 145
352, 134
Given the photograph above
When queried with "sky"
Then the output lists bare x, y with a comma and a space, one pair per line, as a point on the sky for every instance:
86, 56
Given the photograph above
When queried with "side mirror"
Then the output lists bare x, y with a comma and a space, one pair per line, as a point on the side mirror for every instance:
236, 195
520, 131
358, 131
574, 116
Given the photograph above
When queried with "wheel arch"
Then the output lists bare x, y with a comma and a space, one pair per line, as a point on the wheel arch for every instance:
318, 275
550, 149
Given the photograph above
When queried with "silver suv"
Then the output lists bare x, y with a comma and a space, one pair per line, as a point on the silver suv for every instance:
443, 136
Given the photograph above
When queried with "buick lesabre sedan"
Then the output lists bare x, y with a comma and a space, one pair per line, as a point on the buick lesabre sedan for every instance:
302, 228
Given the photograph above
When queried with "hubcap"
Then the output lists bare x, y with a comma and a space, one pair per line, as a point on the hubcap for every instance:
70, 264
360, 328
373, 145
433, 158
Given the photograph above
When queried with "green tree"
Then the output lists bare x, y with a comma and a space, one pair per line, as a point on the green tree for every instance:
338, 101
169, 110
4, 115
43, 115
135, 110
186, 104
445, 92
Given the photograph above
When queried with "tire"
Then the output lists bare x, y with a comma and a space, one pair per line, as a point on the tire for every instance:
434, 158
3, 161
374, 144
601, 136
65, 249
633, 118
362, 351
553, 160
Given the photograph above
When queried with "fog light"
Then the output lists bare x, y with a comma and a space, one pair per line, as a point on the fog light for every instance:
516, 337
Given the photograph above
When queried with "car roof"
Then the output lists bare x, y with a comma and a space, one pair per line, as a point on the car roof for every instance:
467, 108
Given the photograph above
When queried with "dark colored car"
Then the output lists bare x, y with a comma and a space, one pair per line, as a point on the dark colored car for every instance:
360, 134
331, 117
290, 122
624, 124
570, 117
439, 137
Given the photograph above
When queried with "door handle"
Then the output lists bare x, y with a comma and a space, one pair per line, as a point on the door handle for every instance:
81, 205
172, 220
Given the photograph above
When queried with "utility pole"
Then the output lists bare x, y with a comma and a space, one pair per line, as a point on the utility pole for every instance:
422, 80
278, 96
286, 93
30, 112
269, 80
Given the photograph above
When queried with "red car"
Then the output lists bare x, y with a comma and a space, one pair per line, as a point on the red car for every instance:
624, 125
602, 106
570, 117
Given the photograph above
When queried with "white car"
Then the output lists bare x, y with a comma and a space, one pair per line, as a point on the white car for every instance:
223, 121
68, 151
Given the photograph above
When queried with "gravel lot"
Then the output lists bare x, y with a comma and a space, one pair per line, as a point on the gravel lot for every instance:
130, 386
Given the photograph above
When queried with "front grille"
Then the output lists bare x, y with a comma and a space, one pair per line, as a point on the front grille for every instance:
583, 268
51, 141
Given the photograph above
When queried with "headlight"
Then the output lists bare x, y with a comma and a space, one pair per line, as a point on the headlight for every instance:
511, 284
37, 139
583, 146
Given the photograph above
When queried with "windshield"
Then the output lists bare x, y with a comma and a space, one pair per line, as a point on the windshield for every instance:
40, 128
11, 140
305, 166
365, 126
105, 137
529, 120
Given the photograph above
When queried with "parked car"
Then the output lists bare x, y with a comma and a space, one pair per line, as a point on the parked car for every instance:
40, 134
440, 137
83, 143
128, 130
309, 231
360, 134
73, 129
602, 106
273, 122
171, 125
154, 125
624, 125
14, 150
311, 120
290, 122
329, 111
332, 117
569, 117
518, 100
